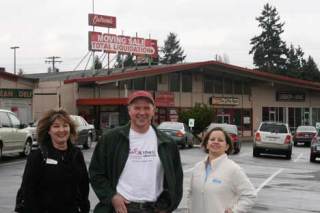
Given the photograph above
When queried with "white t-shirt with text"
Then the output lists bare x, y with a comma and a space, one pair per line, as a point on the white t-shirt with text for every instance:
142, 177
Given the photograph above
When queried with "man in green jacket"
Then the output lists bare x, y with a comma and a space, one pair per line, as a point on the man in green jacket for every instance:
135, 168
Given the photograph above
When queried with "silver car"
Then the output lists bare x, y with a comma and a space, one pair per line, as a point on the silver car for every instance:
179, 132
273, 138
13, 137
86, 132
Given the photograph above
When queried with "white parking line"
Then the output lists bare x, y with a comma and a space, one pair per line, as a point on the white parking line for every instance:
268, 180
295, 160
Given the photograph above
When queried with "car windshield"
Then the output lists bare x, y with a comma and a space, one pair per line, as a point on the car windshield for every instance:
76, 119
276, 128
306, 129
170, 125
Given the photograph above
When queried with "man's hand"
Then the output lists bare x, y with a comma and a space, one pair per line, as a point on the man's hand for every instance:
119, 203
228, 210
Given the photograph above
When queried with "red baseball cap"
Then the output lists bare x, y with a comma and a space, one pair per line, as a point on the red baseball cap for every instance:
140, 94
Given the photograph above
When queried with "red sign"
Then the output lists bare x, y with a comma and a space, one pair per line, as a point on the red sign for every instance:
102, 21
164, 99
124, 44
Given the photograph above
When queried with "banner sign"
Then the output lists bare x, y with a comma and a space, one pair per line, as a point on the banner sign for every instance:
102, 21
16, 93
164, 99
224, 100
123, 44
290, 96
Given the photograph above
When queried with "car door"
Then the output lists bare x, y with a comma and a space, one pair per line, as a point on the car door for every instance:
19, 135
6, 132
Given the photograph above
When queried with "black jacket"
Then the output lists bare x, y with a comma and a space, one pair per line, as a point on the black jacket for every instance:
58, 184
109, 159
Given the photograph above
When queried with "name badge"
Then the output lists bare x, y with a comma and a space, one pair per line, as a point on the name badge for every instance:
51, 161
216, 181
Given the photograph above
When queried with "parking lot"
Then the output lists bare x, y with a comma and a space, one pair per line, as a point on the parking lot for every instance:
283, 185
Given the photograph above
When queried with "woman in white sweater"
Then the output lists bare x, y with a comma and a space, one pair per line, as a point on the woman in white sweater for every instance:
218, 184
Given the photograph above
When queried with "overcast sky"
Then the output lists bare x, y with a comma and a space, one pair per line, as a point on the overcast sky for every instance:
43, 28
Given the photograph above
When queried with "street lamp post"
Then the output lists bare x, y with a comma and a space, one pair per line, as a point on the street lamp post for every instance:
14, 58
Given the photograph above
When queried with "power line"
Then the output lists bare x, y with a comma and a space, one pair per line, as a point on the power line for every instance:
53, 60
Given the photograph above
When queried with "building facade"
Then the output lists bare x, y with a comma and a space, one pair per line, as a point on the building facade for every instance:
239, 96
16, 94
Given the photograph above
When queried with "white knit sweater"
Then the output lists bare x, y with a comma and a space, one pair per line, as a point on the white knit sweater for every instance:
227, 186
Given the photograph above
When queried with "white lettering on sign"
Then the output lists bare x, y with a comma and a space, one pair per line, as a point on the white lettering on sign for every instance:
126, 44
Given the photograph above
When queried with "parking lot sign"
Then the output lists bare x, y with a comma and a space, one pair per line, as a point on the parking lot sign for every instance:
191, 122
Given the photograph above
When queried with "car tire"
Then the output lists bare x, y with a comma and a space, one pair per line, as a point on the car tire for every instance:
312, 158
88, 143
256, 153
191, 143
27, 148
289, 153
237, 148
0, 151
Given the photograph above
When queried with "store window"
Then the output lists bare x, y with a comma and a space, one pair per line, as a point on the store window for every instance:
174, 84
246, 117
246, 88
208, 86
138, 84
151, 83
237, 87
315, 116
277, 114
218, 86
227, 86
186, 82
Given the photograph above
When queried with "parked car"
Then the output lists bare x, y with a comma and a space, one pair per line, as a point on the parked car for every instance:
179, 132
13, 137
232, 130
304, 134
86, 132
32, 128
315, 148
274, 138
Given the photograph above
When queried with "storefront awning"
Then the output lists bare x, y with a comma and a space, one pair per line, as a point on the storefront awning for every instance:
102, 101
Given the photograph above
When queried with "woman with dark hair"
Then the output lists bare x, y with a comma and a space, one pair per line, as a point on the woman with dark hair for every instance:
218, 184
55, 178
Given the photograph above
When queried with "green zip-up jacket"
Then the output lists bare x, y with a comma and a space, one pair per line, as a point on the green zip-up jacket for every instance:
109, 159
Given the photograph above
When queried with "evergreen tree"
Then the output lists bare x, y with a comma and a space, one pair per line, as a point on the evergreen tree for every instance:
310, 70
269, 51
295, 61
97, 63
172, 51
126, 60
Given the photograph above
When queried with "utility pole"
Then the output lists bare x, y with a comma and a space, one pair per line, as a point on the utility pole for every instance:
52, 60
14, 58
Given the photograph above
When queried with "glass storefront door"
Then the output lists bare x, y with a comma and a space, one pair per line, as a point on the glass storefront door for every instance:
225, 118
